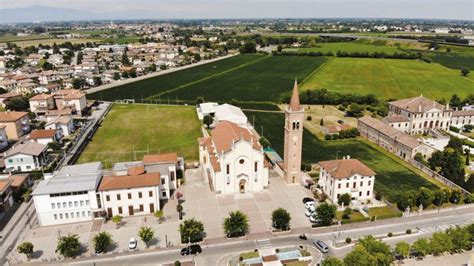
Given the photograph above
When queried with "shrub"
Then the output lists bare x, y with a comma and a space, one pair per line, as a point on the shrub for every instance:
378, 195
454, 129
408, 231
390, 234
348, 240
344, 199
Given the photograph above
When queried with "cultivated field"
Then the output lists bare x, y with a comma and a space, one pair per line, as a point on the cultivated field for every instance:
130, 131
350, 47
390, 78
392, 177
51, 41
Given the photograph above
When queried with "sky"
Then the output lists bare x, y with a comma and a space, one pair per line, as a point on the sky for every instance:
438, 9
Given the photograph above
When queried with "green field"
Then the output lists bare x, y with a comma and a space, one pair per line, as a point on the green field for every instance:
131, 131
16, 38
350, 47
390, 78
248, 78
392, 177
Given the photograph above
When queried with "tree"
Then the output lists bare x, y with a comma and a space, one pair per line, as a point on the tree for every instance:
191, 230
440, 243
355, 110
425, 197
125, 61
439, 197
199, 100
102, 241
403, 249
344, 199
465, 72
469, 185
236, 224
466, 153
249, 47
331, 261
116, 76
25, 248
279, 48
54, 145
159, 214
264, 142
208, 120
455, 101
69, 246
97, 81
117, 219
326, 213
152, 68
460, 239
281, 219
455, 196
359, 257
422, 246
77, 83
146, 234
378, 249
197, 57
18, 104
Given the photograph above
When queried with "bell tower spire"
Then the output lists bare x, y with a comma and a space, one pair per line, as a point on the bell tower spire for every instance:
294, 117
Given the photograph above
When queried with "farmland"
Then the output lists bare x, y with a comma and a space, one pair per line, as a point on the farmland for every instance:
389, 78
131, 131
392, 177
350, 47
247, 78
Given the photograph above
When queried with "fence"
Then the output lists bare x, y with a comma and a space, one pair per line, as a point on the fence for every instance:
438, 177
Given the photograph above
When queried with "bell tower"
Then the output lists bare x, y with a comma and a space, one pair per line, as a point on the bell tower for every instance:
294, 117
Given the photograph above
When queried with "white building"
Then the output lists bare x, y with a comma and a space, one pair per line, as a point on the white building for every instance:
338, 177
461, 118
233, 160
69, 196
62, 124
223, 112
26, 157
3, 137
170, 167
44, 136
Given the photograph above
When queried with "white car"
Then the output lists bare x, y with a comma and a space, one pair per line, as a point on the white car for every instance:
132, 244
309, 204
309, 211
314, 219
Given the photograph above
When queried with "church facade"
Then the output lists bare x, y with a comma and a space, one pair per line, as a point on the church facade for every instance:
294, 117
232, 159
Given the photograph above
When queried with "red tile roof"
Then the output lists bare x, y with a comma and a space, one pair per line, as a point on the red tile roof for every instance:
160, 158
129, 181
346, 168
42, 134
11, 116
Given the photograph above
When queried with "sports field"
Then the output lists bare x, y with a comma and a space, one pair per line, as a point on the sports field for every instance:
131, 131
392, 177
390, 78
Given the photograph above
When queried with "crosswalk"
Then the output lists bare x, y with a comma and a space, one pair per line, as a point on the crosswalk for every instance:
262, 243
441, 228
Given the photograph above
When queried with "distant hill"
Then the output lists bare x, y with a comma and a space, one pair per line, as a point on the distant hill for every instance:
43, 13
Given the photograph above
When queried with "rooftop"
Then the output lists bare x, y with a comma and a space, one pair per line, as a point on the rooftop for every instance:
42, 134
30, 148
418, 104
11, 116
226, 133
160, 158
345, 168
129, 181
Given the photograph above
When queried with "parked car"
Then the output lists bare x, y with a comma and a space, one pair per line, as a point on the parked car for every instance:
340, 121
309, 204
313, 218
306, 199
310, 211
193, 249
132, 244
321, 246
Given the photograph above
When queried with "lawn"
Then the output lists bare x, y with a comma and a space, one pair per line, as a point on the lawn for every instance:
383, 212
131, 131
390, 78
160, 84
269, 79
392, 177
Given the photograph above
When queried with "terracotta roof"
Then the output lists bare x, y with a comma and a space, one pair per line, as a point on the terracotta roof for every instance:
4, 184
215, 163
418, 104
295, 98
136, 170
226, 133
42, 133
337, 128
9, 95
390, 132
129, 181
30, 148
11, 116
160, 158
64, 111
346, 168
395, 118
74, 96
463, 113
40, 97
18, 180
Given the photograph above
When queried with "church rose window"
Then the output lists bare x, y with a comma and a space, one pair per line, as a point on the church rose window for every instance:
241, 161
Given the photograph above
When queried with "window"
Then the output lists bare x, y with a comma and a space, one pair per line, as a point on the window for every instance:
241, 161
77, 214
89, 213
172, 176
140, 195
141, 207
163, 193
82, 203
339, 185
256, 167
70, 204
53, 205
360, 193
72, 215
87, 202
150, 193
64, 205
55, 216
118, 196
59, 205
354, 185
347, 185
228, 180
361, 183
76, 203
83, 214
370, 182
368, 192
107, 198
129, 195
227, 169
61, 216
66, 215
120, 210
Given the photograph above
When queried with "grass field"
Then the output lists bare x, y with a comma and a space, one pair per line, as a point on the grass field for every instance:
130, 131
392, 177
16, 38
390, 78
51, 41
350, 47
248, 78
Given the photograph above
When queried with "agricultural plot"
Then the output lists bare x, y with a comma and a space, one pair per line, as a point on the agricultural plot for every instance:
350, 47
131, 131
270, 79
390, 78
158, 85
392, 177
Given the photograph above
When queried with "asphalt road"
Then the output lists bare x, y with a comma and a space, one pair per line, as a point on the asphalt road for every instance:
218, 254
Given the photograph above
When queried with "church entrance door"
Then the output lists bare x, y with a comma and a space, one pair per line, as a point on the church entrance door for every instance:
242, 186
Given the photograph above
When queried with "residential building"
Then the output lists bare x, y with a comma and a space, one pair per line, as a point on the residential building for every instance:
6, 97
461, 118
170, 167
62, 124
417, 115
73, 99
44, 136
337, 177
128, 195
391, 139
41, 103
334, 129
69, 195
233, 160
3, 137
19, 183
26, 157
16, 124
293, 139
6, 196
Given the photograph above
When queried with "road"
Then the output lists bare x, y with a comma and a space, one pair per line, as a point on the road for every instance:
171, 70
218, 254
